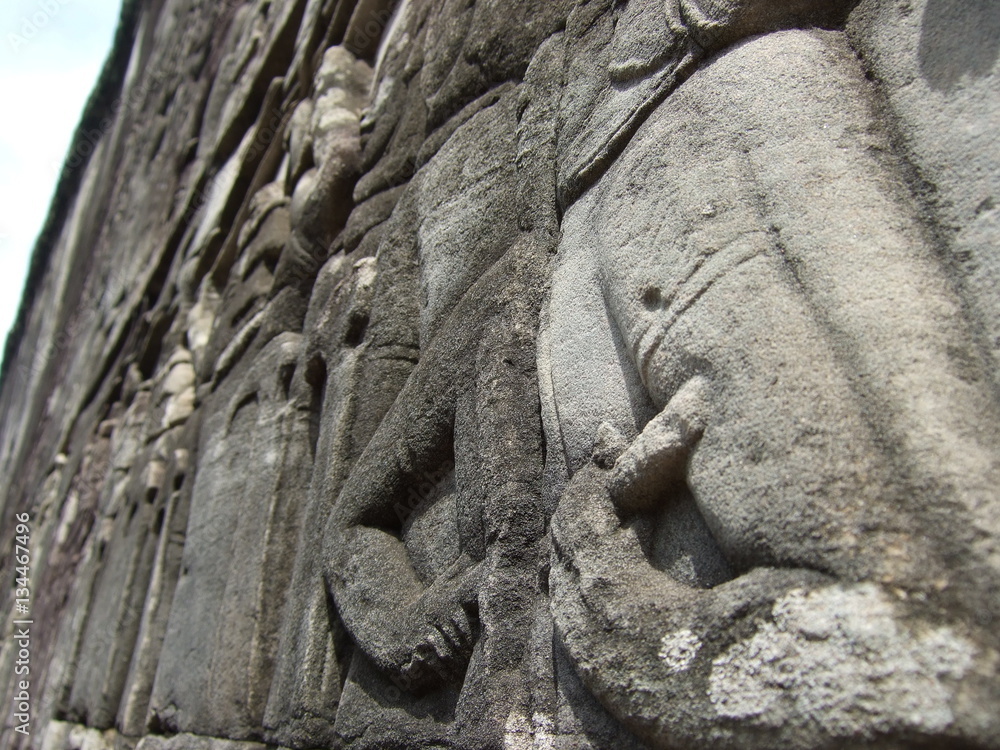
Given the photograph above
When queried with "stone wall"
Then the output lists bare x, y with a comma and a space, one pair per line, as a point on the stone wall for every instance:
500, 374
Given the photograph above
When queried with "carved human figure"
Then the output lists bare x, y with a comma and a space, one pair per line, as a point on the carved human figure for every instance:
324, 162
780, 524
436, 528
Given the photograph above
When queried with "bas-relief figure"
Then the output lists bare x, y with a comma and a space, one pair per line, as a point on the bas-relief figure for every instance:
435, 533
577, 374
794, 550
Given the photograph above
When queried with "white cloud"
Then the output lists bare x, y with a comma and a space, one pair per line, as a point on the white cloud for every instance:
51, 52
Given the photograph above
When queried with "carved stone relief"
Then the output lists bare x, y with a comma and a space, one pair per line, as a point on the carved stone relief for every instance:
578, 374
751, 254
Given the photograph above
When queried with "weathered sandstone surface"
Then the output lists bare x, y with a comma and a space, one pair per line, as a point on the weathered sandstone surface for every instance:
480, 374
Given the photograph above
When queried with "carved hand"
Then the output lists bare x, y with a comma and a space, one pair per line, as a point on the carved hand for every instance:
435, 633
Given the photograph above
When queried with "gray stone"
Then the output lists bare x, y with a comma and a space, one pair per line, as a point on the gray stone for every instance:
937, 62
233, 581
788, 425
131, 524
477, 374
194, 742
259, 47
364, 219
311, 660
424, 680
321, 198
178, 483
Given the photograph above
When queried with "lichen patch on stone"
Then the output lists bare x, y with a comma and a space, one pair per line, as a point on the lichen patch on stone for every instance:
678, 650
840, 659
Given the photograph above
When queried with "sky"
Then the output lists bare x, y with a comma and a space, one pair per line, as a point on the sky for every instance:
51, 52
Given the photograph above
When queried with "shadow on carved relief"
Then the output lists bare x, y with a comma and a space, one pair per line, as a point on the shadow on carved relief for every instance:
436, 526
958, 41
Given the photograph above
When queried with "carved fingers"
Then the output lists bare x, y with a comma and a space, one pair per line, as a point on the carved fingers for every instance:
439, 630
441, 655
456, 631
658, 457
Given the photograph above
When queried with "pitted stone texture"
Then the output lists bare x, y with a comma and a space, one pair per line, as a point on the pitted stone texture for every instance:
839, 660
624, 59
221, 639
466, 204
781, 336
571, 374
397, 686
313, 656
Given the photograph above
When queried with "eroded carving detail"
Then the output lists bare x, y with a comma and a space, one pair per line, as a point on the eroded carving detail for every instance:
783, 349
477, 374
